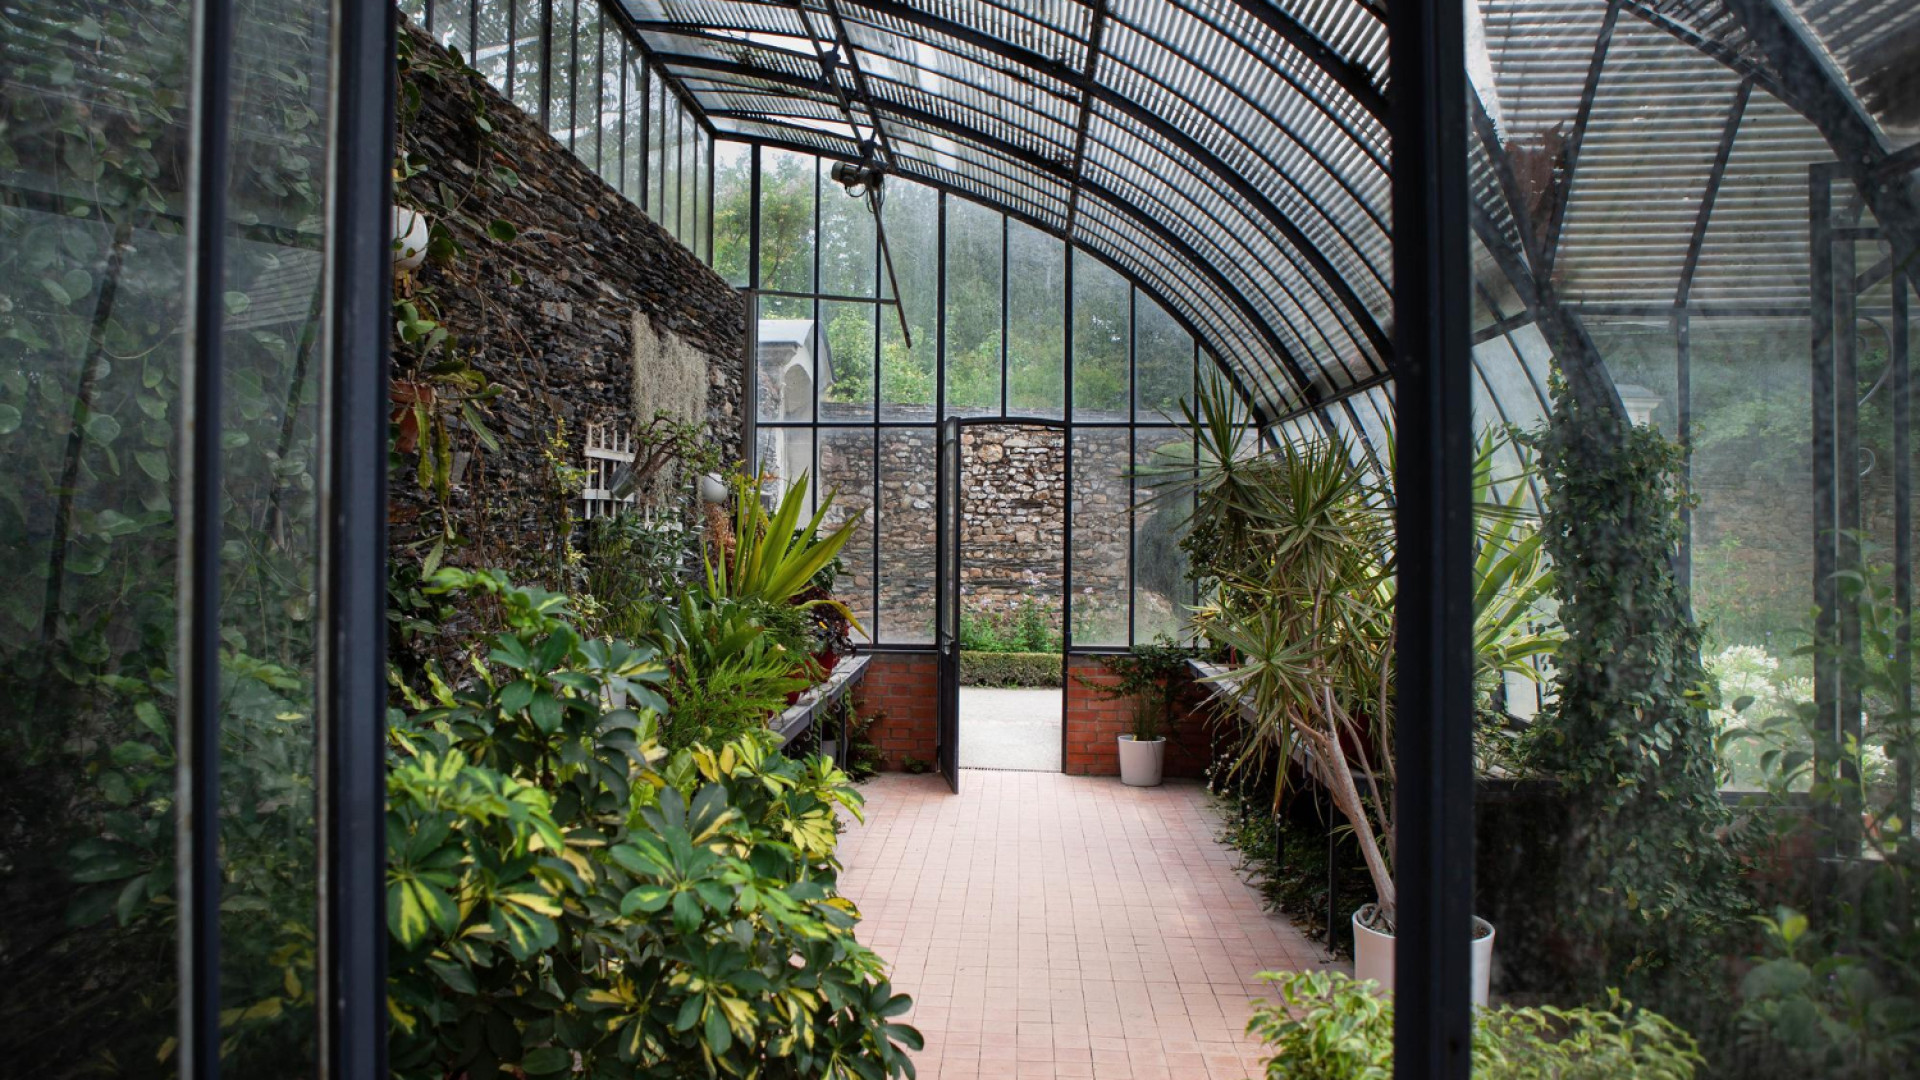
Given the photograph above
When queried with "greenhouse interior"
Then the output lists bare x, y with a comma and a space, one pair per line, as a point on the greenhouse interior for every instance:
867, 539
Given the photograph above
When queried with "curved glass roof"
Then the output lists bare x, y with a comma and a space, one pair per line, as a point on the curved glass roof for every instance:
1232, 155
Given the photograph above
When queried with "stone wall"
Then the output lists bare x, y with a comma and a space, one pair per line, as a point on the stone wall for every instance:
589, 310
1015, 520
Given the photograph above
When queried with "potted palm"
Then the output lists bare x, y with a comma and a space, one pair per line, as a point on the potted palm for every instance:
1150, 678
1299, 543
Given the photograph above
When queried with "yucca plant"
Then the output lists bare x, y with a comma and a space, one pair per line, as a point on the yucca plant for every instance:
773, 556
1513, 626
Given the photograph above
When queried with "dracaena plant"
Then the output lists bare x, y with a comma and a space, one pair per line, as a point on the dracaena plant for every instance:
568, 898
774, 557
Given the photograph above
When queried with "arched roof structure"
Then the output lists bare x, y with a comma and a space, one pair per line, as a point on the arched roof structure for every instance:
1232, 155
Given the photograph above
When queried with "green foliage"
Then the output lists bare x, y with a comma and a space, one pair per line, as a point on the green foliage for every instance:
1009, 669
634, 560
730, 673
1033, 626
775, 557
1326, 1026
567, 897
1652, 887
1824, 1012
1284, 856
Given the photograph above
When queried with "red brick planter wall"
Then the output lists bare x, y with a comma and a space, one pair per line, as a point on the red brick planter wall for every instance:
1095, 722
903, 689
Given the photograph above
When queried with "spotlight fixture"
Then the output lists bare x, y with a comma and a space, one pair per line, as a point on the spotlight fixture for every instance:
859, 178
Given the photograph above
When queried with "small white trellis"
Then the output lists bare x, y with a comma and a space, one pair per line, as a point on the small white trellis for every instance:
609, 452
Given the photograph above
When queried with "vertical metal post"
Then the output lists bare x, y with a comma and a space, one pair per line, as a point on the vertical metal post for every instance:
1433, 276
546, 64
1825, 514
1683, 403
1133, 447
1006, 318
646, 148
1067, 684
1846, 466
351, 708
197, 779
1902, 379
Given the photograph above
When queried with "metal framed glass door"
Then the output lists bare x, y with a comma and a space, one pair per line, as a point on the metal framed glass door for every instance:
947, 630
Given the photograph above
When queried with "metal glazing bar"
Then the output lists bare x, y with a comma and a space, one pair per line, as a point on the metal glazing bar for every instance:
1825, 506
1716, 176
1433, 323
1558, 219
1187, 322
1846, 490
197, 777
1683, 401
1902, 378
859, 77
351, 665
1095, 37
546, 64
1837, 112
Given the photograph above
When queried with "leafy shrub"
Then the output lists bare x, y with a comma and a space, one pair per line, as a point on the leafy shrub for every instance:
566, 897
1820, 1012
1009, 669
1032, 627
1327, 1026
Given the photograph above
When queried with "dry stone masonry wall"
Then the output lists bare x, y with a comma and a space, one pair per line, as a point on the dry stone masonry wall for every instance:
593, 314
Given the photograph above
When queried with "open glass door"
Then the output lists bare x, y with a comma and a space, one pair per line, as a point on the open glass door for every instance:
947, 633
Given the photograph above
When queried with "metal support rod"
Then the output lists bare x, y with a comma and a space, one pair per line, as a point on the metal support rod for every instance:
1683, 404
1433, 325
197, 777
1846, 468
351, 663
1902, 387
1825, 513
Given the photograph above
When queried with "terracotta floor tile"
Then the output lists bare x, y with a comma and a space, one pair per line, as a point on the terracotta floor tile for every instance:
1051, 926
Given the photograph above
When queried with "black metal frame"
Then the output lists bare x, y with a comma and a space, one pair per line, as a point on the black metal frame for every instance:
1434, 733
352, 704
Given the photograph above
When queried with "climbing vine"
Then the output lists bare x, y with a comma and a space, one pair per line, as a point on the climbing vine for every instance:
1649, 875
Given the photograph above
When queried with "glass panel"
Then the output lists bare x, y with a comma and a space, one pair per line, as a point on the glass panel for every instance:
1753, 531
560, 84
786, 221
846, 471
1101, 494
415, 10
1163, 362
490, 41
907, 390
268, 851
791, 349
1707, 813
1161, 592
702, 198
528, 60
656, 145
612, 56
1036, 322
88, 541
846, 385
672, 166
785, 453
687, 159
1100, 332
907, 530
974, 238
633, 180
848, 250
732, 211
586, 88
452, 25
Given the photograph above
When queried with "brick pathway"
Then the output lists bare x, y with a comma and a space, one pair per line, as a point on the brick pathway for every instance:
1056, 926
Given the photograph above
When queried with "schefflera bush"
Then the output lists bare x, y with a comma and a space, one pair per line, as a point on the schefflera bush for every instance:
566, 898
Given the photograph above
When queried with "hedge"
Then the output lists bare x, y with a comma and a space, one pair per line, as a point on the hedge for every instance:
1007, 669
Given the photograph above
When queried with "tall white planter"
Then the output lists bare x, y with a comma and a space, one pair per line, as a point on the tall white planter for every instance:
1373, 955
1141, 762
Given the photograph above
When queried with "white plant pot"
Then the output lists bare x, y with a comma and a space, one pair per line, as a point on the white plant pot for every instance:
1373, 955
410, 237
1141, 762
713, 490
